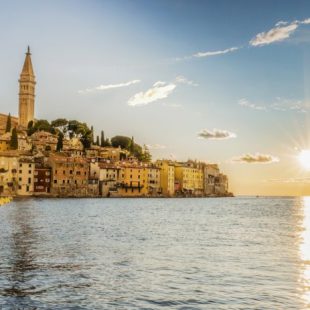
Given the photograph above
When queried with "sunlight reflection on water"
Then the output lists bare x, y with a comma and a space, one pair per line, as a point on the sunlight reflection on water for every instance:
305, 250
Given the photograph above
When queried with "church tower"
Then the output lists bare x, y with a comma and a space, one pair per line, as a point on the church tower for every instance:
26, 93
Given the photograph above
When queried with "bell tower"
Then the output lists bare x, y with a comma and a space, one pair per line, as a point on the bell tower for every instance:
26, 93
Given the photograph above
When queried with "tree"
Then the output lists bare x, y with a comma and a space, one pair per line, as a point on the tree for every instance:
14, 140
132, 146
121, 141
8, 123
61, 124
108, 142
102, 141
92, 134
146, 155
97, 141
60, 139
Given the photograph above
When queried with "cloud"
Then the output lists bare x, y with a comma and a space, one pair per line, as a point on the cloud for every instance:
160, 90
216, 134
109, 86
215, 53
281, 23
279, 33
183, 80
305, 21
255, 159
282, 30
282, 104
156, 146
245, 103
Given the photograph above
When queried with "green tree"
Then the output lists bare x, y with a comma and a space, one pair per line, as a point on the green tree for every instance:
121, 141
132, 146
102, 141
14, 140
8, 123
146, 155
61, 124
92, 134
97, 141
60, 139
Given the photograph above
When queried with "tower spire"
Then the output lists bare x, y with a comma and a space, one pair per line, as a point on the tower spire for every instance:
26, 92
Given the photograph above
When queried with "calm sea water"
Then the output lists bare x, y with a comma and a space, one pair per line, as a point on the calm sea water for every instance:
230, 253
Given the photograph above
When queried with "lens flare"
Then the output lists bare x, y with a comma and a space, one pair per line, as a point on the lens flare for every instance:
304, 159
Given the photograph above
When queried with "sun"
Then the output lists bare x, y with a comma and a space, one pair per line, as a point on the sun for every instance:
304, 159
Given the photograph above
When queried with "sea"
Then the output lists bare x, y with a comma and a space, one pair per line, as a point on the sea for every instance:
194, 253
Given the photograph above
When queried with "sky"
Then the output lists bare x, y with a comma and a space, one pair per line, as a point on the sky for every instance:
219, 81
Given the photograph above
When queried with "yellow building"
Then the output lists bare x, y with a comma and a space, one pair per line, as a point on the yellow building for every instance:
189, 177
167, 171
113, 153
26, 167
133, 180
5, 142
8, 173
153, 180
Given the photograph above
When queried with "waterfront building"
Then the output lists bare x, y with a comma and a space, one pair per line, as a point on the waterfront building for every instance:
42, 179
153, 180
221, 185
26, 167
189, 179
8, 173
69, 175
167, 171
133, 179
26, 93
211, 178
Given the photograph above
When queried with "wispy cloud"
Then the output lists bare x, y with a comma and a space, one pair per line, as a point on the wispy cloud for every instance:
156, 146
216, 134
255, 159
215, 53
278, 104
109, 86
282, 104
245, 103
183, 80
160, 90
282, 30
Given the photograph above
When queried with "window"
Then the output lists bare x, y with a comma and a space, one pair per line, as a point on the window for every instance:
29, 180
19, 179
55, 181
64, 172
29, 171
20, 171
29, 165
19, 187
71, 171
